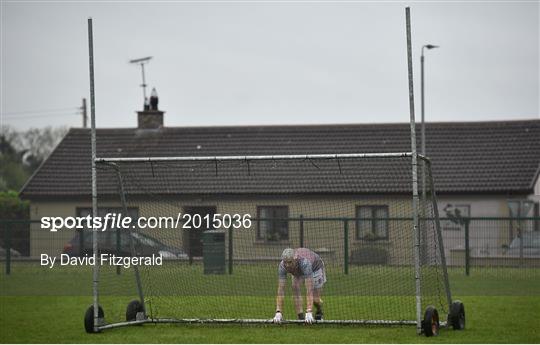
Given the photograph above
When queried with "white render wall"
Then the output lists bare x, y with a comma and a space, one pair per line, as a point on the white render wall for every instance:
486, 237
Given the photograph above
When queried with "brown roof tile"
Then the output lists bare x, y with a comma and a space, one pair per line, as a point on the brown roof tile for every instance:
470, 157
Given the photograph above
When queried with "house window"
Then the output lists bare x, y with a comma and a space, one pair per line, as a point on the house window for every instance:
372, 223
109, 240
271, 226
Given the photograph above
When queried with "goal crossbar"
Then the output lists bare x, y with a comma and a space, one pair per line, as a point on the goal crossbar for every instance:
257, 157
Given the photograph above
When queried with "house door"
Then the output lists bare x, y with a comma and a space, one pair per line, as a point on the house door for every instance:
192, 238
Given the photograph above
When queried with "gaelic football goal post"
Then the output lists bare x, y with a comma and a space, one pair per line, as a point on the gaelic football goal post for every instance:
208, 233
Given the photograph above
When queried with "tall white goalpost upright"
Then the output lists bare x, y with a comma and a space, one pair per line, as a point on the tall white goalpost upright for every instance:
95, 269
414, 158
456, 312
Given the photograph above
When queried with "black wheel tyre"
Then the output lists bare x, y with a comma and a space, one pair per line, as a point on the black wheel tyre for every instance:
132, 309
457, 316
430, 324
89, 318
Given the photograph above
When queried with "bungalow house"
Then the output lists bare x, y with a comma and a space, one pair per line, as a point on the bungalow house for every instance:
478, 167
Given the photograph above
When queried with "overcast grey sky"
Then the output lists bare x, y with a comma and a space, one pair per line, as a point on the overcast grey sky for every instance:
244, 63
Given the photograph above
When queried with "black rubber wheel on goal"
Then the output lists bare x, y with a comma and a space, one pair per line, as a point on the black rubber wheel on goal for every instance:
89, 318
456, 318
132, 309
430, 324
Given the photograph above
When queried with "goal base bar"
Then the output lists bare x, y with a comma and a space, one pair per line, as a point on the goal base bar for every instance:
263, 321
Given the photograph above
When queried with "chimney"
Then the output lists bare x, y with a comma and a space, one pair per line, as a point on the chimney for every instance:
150, 117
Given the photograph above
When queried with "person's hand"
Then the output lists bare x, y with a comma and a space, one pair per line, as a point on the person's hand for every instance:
278, 317
309, 317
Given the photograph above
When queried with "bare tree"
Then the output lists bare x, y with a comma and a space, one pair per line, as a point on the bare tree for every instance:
24, 152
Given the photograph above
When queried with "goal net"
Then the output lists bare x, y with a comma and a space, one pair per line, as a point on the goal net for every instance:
213, 229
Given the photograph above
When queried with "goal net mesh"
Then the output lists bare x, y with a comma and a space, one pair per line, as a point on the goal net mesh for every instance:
220, 227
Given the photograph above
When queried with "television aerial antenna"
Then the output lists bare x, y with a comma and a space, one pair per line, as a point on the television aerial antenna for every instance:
141, 62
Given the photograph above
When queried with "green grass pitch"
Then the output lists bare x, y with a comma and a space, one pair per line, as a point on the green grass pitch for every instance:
38, 306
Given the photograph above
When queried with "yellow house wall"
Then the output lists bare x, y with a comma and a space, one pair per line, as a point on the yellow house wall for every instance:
325, 235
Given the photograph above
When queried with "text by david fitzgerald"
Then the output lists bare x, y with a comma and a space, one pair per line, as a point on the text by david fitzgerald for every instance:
102, 260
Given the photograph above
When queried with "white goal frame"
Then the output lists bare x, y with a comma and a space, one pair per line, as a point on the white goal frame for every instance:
100, 325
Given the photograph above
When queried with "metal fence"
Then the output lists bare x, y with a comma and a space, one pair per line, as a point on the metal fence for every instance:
470, 243
483, 243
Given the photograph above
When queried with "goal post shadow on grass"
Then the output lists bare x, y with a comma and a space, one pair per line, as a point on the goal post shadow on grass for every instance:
264, 183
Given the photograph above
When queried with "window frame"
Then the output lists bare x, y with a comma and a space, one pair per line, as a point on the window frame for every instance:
259, 236
374, 221
84, 239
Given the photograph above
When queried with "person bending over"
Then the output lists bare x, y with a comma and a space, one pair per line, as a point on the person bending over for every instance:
307, 267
